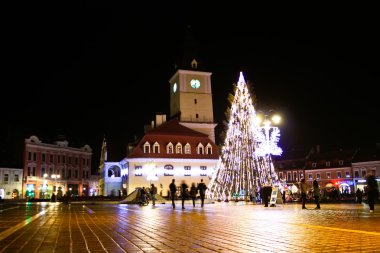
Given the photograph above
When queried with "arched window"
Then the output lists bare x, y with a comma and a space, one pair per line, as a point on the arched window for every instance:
209, 149
156, 148
146, 148
187, 148
200, 149
178, 148
169, 148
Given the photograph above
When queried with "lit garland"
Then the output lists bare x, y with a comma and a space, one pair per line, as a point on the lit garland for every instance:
240, 169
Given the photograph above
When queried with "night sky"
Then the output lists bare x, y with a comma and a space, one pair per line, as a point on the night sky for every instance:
90, 70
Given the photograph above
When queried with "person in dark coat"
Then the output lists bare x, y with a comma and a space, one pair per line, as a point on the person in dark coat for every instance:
359, 196
372, 192
193, 193
267, 191
173, 191
202, 191
184, 188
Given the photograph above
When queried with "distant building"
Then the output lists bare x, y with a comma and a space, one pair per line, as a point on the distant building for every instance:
10, 183
49, 167
171, 151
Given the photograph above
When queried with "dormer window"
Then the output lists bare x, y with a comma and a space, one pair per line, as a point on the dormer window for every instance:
187, 148
340, 162
200, 149
178, 148
194, 64
327, 164
156, 148
146, 148
209, 149
314, 165
169, 148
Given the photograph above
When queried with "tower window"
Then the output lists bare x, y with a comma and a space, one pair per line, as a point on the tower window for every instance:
196, 115
195, 101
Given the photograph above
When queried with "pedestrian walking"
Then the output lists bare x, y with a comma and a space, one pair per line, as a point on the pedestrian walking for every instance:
267, 191
202, 191
317, 193
184, 189
173, 191
372, 192
283, 196
303, 188
153, 192
193, 193
359, 196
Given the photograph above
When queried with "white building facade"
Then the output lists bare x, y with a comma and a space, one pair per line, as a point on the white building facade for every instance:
11, 183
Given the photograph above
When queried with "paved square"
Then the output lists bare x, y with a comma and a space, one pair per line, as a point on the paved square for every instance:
218, 227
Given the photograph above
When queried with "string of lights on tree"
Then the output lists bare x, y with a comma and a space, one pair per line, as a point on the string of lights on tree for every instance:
243, 165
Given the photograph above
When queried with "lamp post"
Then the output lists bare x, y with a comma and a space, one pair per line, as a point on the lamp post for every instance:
268, 135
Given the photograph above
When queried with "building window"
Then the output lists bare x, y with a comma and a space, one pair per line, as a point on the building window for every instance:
339, 174
169, 148
51, 158
340, 162
364, 173
178, 148
69, 160
6, 178
295, 176
69, 176
43, 157
327, 164
196, 115
63, 159
138, 171
187, 149
209, 149
34, 171
168, 170
195, 101
280, 175
203, 175
43, 171
203, 167
76, 173
356, 174
17, 178
200, 149
314, 165
347, 174
63, 173
328, 174
318, 176
29, 156
310, 176
156, 148
34, 156
59, 159
146, 148
187, 167
289, 178
28, 171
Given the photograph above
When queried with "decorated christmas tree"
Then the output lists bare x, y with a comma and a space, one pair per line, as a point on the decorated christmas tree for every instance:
244, 164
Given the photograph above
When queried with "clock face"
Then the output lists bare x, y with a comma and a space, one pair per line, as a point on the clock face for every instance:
195, 83
174, 87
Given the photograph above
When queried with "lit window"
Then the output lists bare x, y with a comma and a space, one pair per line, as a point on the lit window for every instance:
138, 171
169, 148
187, 148
328, 174
178, 148
208, 149
339, 174
347, 174
314, 165
318, 176
156, 148
340, 162
200, 149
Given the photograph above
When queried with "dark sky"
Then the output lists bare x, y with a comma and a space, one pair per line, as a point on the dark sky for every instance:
87, 70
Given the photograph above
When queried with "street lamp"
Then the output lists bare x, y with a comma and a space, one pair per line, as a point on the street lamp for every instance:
267, 135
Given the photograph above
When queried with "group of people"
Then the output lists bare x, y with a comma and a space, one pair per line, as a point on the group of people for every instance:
193, 192
371, 191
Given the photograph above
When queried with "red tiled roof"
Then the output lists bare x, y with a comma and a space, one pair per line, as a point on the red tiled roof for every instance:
172, 131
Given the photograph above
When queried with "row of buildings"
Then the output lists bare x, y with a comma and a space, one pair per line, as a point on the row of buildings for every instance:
182, 147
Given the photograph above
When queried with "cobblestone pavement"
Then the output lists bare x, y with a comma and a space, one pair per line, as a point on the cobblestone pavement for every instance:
219, 227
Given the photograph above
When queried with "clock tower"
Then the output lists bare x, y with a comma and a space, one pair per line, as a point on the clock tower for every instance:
191, 98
